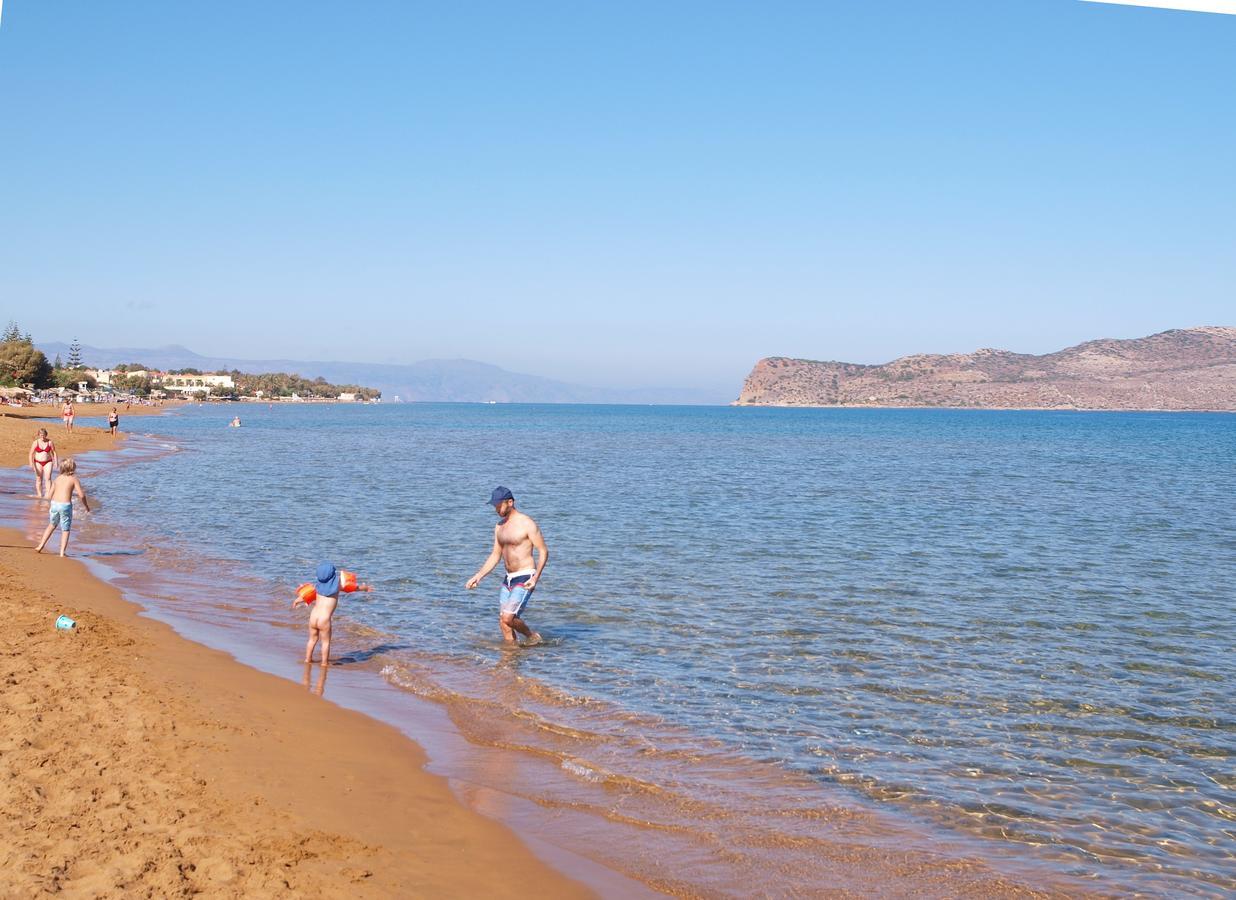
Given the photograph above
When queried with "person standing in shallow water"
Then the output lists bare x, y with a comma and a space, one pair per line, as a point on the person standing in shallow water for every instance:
516, 536
43, 460
324, 600
64, 488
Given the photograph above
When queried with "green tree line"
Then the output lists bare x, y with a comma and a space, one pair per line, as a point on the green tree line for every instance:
284, 384
24, 365
21, 363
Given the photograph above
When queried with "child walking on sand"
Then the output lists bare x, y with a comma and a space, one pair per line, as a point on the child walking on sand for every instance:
62, 490
323, 597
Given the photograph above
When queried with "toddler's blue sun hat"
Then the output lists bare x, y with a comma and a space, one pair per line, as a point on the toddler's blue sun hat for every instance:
328, 579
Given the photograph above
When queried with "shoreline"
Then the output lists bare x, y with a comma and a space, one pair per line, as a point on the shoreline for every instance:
17, 433
87, 410
129, 747
848, 864
18, 426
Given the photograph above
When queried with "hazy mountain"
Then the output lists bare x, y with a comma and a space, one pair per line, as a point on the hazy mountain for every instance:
1192, 368
431, 379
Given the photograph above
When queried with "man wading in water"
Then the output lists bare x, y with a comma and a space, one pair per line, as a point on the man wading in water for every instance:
515, 537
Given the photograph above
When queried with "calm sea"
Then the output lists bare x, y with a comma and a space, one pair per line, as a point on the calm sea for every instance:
1011, 628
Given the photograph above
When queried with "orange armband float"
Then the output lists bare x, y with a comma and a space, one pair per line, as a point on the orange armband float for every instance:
348, 584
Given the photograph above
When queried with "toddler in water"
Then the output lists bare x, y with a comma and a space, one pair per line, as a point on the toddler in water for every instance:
323, 596
62, 490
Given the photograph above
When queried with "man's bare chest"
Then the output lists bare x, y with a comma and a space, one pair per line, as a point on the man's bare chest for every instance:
512, 535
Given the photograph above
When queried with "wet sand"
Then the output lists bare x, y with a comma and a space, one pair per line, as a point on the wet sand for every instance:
135, 763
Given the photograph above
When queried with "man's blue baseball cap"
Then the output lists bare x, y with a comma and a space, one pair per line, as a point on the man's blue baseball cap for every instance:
500, 493
328, 579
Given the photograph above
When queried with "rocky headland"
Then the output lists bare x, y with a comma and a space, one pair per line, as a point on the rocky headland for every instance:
1181, 369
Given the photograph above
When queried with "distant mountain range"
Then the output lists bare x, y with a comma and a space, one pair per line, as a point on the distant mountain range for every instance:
449, 380
1192, 368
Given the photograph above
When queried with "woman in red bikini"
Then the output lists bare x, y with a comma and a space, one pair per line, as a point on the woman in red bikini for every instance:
42, 459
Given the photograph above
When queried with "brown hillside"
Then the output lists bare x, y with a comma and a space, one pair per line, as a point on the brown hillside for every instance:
1192, 368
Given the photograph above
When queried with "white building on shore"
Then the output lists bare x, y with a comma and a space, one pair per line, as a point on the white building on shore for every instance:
104, 377
168, 383
197, 384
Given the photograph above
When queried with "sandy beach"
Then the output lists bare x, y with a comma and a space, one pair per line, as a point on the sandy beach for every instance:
89, 410
19, 424
17, 433
136, 763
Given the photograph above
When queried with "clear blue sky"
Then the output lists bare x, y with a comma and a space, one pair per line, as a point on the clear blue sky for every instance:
615, 194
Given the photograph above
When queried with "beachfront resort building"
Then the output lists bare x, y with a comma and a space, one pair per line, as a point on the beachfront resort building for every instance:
197, 384
166, 382
104, 377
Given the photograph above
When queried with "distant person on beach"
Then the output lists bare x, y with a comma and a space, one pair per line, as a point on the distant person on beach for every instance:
323, 596
66, 413
63, 488
42, 459
113, 420
515, 537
